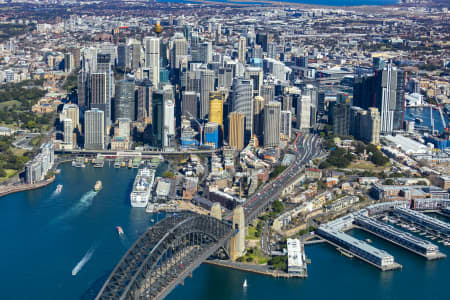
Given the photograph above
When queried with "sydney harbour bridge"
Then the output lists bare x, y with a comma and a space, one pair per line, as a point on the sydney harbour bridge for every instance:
165, 255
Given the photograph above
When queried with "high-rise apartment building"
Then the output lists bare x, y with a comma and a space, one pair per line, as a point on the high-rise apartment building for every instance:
303, 112
152, 48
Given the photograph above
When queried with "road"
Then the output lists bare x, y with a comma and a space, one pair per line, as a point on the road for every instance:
307, 148
265, 238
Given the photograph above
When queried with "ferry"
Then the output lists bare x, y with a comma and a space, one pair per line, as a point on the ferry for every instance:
418, 120
59, 188
98, 186
142, 187
119, 230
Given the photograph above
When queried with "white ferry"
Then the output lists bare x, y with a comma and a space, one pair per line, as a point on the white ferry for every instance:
142, 187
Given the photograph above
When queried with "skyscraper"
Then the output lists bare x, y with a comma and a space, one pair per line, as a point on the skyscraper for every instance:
256, 75
144, 101
68, 131
83, 89
243, 102
216, 108
104, 66
236, 135
123, 56
94, 129
179, 50
341, 119
98, 91
268, 93
205, 52
258, 118
169, 122
124, 103
206, 86
272, 115
303, 112
189, 105
286, 124
152, 48
71, 111
242, 49
157, 118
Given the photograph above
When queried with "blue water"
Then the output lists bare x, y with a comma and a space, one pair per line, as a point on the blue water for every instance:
46, 235
312, 2
424, 113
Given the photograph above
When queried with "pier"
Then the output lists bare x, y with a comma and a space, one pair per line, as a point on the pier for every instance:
421, 219
398, 237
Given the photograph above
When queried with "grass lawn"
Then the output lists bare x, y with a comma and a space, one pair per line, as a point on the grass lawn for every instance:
8, 104
251, 233
255, 256
9, 173
366, 165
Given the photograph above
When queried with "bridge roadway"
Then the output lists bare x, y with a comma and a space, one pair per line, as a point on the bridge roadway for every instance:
307, 148
165, 255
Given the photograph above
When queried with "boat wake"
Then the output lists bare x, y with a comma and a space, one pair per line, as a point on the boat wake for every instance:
84, 203
83, 261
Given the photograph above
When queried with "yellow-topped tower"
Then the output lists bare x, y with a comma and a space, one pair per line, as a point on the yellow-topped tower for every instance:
157, 29
216, 107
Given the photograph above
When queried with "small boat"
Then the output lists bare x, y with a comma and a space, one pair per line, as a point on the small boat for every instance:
369, 240
418, 120
57, 171
59, 188
98, 186
119, 230
244, 285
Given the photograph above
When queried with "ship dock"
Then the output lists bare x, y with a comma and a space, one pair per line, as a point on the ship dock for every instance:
99, 162
421, 219
117, 162
398, 237
136, 162
333, 233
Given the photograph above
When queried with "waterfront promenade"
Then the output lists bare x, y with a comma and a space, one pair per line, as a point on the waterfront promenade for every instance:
14, 188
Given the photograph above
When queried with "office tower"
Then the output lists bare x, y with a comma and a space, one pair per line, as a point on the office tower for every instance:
341, 119
272, 115
124, 127
76, 53
157, 118
135, 53
216, 108
68, 131
313, 115
257, 52
98, 91
286, 124
211, 135
94, 129
258, 118
169, 121
179, 51
187, 32
255, 74
225, 77
83, 89
243, 102
271, 50
152, 57
378, 63
124, 103
123, 56
68, 62
216, 211
268, 93
71, 111
104, 66
189, 104
287, 102
303, 112
236, 134
242, 49
237, 243
392, 99
205, 52
321, 103
144, 101
206, 86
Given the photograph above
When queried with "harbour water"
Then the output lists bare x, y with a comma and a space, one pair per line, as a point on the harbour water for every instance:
423, 113
46, 236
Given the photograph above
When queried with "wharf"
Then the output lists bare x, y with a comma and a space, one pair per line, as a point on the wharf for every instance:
258, 269
349, 253
438, 255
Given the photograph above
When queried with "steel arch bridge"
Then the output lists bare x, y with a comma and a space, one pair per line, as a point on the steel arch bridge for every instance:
164, 256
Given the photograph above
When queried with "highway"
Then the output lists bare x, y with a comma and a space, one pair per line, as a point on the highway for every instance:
307, 148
